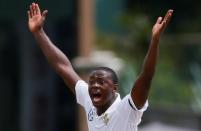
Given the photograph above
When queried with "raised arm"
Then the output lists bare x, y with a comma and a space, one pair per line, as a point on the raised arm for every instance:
54, 56
142, 85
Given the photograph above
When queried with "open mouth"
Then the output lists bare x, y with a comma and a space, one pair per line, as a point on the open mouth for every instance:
96, 97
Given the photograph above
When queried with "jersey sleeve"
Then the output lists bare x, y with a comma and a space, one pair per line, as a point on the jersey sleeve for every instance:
132, 105
130, 111
81, 90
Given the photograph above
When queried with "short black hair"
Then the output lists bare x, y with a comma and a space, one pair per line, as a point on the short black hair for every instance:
109, 70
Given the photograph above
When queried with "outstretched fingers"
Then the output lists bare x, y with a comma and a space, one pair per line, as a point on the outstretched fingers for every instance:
37, 9
161, 24
34, 9
168, 17
31, 11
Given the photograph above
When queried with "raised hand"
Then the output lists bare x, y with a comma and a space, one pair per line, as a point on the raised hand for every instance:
161, 24
36, 18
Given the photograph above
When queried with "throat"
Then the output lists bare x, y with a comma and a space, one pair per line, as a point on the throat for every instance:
102, 109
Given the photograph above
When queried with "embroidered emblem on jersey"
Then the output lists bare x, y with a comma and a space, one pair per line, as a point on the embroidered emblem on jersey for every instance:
105, 118
91, 114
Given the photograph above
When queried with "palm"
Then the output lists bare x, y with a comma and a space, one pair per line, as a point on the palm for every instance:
157, 29
35, 22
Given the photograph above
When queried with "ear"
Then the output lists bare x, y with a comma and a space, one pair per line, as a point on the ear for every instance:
115, 87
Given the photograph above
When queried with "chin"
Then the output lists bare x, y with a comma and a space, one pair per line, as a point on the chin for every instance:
97, 104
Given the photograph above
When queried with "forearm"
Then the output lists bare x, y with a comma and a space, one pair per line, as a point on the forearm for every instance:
142, 85
54, 56
150, 60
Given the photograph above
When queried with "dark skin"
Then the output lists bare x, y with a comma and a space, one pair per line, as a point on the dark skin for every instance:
100, 81
63, 67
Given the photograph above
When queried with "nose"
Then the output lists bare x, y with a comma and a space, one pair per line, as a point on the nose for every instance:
95, 87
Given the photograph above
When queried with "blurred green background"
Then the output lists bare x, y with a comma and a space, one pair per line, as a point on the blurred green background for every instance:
33, 97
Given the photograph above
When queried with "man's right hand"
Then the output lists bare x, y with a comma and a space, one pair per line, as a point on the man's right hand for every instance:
36, 18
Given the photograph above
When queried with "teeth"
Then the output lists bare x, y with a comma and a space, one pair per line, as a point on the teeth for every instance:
96, 92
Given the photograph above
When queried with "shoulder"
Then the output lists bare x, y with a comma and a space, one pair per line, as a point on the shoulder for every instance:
81, 83
127, 102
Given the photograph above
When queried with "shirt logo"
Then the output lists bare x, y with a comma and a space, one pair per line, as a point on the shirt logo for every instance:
105, 118
91, 115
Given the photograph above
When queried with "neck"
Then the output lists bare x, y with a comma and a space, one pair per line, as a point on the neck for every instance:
102, 109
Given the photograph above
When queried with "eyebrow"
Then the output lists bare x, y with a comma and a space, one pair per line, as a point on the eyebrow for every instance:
96, 76
100, 77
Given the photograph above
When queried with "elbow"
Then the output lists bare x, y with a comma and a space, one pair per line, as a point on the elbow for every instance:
62, 68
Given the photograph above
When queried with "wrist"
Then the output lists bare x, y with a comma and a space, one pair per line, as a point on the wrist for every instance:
38, 31
155, 38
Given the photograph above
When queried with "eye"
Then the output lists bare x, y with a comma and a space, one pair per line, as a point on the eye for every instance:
101, 82
91, 82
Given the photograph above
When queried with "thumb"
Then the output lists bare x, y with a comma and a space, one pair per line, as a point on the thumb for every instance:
44, 14
159, 20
